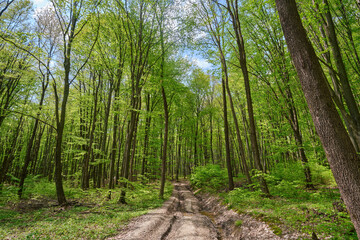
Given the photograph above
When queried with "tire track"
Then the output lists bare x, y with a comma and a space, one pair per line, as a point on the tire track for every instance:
179, 219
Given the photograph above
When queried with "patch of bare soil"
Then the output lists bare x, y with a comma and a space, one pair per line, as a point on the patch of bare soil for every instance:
30, 205
186, 217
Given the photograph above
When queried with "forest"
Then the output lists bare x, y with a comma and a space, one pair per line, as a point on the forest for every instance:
106, 104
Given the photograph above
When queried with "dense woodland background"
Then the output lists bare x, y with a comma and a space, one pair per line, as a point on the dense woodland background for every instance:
103, 94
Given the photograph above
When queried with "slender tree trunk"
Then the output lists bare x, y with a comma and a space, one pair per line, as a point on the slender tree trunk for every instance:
146, 137
343, 76
343, 159
196, 140
211, 139
9, 153
226, 126
135, 103
178, 157
104, 138
166, 130
238, 136
115, 131
354, 124
232, 7
31, 142
85, 166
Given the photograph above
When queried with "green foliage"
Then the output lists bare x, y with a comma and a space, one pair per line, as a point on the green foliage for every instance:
210, 177
293, 173
91, 214
238, 223
322, 175
319, 211
290, 172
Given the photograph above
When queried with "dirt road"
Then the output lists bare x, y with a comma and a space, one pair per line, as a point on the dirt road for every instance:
182, 217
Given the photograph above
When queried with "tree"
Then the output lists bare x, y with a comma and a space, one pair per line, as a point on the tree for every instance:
215, 20
340, 152
45, 25
232, 6
69, 15
139, 26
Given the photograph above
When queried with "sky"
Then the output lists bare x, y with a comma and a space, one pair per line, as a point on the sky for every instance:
196, 58
39, 3
201, 62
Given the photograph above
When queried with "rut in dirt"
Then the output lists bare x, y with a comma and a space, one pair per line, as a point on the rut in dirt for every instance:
185, 217
179, 218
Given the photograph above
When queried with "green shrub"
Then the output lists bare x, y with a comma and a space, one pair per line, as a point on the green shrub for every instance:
294, 173
289, 172
211, 177
239, 195
322, 175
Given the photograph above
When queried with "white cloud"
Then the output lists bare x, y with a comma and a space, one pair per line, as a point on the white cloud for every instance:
40, 3
202, 63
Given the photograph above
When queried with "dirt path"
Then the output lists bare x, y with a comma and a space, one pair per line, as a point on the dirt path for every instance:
182, 217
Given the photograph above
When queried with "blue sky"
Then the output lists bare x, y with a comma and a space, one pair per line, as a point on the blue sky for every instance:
39, 3
195, 57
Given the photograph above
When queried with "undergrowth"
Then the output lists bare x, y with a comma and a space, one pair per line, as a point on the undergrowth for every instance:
320, 211
91, 214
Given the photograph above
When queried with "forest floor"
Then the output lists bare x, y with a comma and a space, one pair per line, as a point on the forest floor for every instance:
185, 216
89, 214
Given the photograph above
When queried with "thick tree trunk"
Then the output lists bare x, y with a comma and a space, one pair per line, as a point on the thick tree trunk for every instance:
343, 159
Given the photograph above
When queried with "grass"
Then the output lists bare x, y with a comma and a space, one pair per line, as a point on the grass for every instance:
90, 216
307, 211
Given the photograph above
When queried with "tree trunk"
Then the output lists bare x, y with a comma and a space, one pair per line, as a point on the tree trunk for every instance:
339, 150
178, 157
146, 137
166, 130
238, 136
226, 125
9, 153
343, 76
31, 142
115, 131
135, 103
234, 13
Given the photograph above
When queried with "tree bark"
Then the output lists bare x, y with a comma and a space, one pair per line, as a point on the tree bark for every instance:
166, 131
238, 136
27, 159
226, 126
343, 159
343, 76
85, 177
232, 7
146, 137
